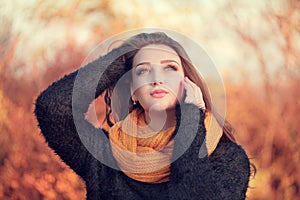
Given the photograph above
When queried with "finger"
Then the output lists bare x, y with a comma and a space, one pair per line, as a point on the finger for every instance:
187, 80
195, 87
186, 86
196, 93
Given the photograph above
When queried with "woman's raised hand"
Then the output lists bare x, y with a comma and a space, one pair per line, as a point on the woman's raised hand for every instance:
193, 93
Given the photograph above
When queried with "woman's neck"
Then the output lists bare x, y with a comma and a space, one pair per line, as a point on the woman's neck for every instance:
159, 120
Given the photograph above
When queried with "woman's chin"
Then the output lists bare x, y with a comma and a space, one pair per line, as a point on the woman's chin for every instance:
158, 107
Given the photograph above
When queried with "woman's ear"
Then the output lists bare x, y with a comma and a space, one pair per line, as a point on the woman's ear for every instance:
132, 93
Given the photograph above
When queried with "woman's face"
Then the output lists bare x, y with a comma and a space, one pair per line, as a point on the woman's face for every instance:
157, 74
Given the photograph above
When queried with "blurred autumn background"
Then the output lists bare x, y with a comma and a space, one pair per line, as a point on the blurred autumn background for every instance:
254, 44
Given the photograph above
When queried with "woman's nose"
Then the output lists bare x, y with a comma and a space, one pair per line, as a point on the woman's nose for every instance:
156, 82
157, 78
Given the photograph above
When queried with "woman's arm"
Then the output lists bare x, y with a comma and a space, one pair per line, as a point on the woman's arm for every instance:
223, 175
66, 101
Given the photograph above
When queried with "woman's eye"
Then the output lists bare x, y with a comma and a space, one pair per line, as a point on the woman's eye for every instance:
171, 67
142, 71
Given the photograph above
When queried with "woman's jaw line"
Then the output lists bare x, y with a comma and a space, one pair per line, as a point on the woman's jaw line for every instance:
159, 118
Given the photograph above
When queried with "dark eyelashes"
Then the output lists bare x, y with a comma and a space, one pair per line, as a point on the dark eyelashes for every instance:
140, 72
143, 70
173, 67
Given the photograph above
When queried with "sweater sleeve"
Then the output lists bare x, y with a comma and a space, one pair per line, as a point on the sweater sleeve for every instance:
223, 175
61, 107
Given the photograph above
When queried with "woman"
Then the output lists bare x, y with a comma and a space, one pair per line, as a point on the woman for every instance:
157, 106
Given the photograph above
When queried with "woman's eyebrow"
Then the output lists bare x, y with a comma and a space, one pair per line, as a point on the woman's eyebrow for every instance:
142, 63
168, 61
162, 62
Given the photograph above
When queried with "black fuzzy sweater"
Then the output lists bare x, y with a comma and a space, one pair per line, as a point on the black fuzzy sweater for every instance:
60, 113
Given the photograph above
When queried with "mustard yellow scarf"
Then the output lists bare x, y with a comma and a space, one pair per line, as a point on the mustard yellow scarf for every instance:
143, 154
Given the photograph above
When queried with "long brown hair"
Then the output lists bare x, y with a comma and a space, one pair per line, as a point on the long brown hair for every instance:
135, 43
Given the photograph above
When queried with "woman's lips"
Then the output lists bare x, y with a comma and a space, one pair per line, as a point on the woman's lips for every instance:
159, 93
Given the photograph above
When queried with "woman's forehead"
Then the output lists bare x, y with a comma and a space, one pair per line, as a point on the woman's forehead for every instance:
156, 53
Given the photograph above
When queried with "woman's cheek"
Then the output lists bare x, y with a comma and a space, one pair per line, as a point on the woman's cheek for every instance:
177, 89
140, 82
181, 92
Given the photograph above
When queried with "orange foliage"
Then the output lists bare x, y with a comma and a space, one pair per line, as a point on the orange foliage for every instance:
268, 128
28, 168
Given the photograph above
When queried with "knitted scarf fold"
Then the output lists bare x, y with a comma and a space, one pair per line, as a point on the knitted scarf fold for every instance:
144, 154
141, 153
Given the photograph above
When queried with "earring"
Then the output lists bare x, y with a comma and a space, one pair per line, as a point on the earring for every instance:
133, 101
